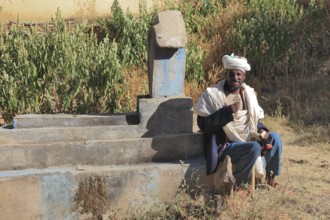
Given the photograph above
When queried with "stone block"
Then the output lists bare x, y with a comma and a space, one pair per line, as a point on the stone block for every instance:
161, 116
87, 192
19, 197
170, 30
163, 148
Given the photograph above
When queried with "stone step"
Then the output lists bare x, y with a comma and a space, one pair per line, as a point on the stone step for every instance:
74, 120
164, 148
87, 192
54, 134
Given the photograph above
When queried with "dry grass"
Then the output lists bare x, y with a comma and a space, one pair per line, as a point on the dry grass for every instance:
299, 106
306, 174
305, 171
136, 81
304, 100
304, 194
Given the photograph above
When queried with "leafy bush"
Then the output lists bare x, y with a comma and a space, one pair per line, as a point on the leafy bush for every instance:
73, 71
265, 33
129, 32
60, 71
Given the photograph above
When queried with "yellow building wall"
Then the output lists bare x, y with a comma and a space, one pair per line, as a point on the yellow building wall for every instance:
44, 10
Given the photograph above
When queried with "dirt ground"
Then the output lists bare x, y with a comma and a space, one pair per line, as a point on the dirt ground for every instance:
306, 176
305, 179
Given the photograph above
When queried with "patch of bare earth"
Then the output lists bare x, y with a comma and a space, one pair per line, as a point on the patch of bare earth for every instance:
307, 178
92, 197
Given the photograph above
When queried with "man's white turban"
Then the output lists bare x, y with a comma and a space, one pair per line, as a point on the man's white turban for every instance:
235, 62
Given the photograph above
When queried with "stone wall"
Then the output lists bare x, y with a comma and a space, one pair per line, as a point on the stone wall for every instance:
41, 11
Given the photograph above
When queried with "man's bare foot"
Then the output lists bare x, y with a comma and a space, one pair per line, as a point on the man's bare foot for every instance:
243, 193
271, 182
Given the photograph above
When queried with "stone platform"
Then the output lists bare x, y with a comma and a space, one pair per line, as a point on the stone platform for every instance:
49, 169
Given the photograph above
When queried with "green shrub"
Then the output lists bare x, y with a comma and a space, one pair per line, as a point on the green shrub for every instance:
72, 71
265, 33
60, 71
129, 32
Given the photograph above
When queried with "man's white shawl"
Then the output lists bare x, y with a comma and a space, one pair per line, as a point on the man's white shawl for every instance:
245, 121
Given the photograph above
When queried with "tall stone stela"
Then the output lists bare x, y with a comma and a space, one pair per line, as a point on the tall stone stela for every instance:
167, 55
167, 110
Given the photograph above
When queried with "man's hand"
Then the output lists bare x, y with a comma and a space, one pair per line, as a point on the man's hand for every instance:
264, 134
235, 107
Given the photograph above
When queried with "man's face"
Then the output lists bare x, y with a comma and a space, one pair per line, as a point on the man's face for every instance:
235, 78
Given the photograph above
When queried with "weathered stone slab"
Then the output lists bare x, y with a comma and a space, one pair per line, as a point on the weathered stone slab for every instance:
167, 79
78, 193
167, 55
74, 120
56, 134
173, 115
166, 148
170, 30
196, 178
19, 197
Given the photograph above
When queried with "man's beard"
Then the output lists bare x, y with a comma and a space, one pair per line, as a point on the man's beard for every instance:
230, 88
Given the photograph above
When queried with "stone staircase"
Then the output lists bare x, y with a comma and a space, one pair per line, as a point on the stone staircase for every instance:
51, 166
44, 147
68, 166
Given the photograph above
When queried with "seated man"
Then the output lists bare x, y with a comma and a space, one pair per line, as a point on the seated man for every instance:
228, 114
